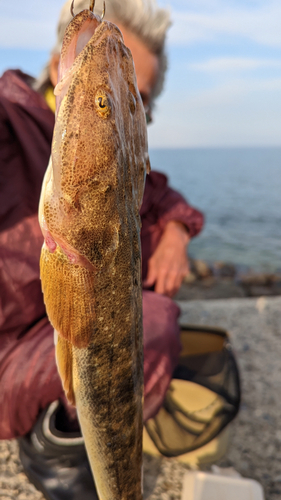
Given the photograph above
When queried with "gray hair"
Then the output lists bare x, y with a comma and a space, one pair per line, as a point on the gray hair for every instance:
144, 18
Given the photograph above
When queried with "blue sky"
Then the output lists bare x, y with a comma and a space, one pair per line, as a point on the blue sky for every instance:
224, 82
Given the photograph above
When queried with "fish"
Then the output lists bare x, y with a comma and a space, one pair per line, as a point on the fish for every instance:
90, 264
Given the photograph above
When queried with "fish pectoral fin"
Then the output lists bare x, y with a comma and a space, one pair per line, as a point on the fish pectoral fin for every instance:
69, 297
64, 360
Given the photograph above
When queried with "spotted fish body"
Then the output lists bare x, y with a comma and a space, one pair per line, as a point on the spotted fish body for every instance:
90, 261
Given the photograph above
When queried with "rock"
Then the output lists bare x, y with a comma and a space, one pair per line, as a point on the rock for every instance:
256, 285
224, 270
276, 287
189, 278
258, 291
208, 282
257, 279
210, 288
225, 280
201, 269
276, 278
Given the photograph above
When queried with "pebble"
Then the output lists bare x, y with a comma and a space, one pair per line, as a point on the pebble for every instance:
278, 436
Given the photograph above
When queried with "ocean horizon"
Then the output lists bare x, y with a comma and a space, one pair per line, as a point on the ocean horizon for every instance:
239, 192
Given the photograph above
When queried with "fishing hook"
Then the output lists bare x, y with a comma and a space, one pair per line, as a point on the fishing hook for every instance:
103, 12
91, 8
71, 8
92, 5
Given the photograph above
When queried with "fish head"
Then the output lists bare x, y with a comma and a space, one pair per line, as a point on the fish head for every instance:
99, 150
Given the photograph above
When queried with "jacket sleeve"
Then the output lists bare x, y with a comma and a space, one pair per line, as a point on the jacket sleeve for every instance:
162, 204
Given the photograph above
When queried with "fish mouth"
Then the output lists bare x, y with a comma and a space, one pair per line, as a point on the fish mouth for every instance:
78, 34
84, 29
80, 30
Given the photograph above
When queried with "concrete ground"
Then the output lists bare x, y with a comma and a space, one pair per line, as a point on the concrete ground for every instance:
255, 449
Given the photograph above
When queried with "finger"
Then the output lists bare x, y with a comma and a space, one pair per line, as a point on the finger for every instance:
151, 276
167, 281
160, 286
173, 283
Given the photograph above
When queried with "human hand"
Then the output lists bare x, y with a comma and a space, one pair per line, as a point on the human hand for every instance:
169, 263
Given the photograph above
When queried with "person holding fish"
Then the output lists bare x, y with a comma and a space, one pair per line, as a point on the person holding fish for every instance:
32, 404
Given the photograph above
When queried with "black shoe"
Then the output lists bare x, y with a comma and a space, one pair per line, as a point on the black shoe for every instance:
56, 462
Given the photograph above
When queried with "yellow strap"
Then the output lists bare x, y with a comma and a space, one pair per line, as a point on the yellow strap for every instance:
50, 99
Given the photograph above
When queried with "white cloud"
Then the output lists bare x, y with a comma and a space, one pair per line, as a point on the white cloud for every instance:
234, 64
236, 92
237, 113
260, 23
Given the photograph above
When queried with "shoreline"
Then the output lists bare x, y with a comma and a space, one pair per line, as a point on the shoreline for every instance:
221, 280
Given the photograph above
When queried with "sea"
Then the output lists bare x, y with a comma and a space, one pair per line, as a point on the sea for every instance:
239, 192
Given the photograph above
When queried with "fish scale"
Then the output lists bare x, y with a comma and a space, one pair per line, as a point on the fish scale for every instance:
91, 261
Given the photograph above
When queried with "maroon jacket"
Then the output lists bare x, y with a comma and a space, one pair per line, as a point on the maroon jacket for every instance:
26, 127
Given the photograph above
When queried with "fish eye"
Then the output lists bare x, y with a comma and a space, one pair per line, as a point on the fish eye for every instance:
103, 105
